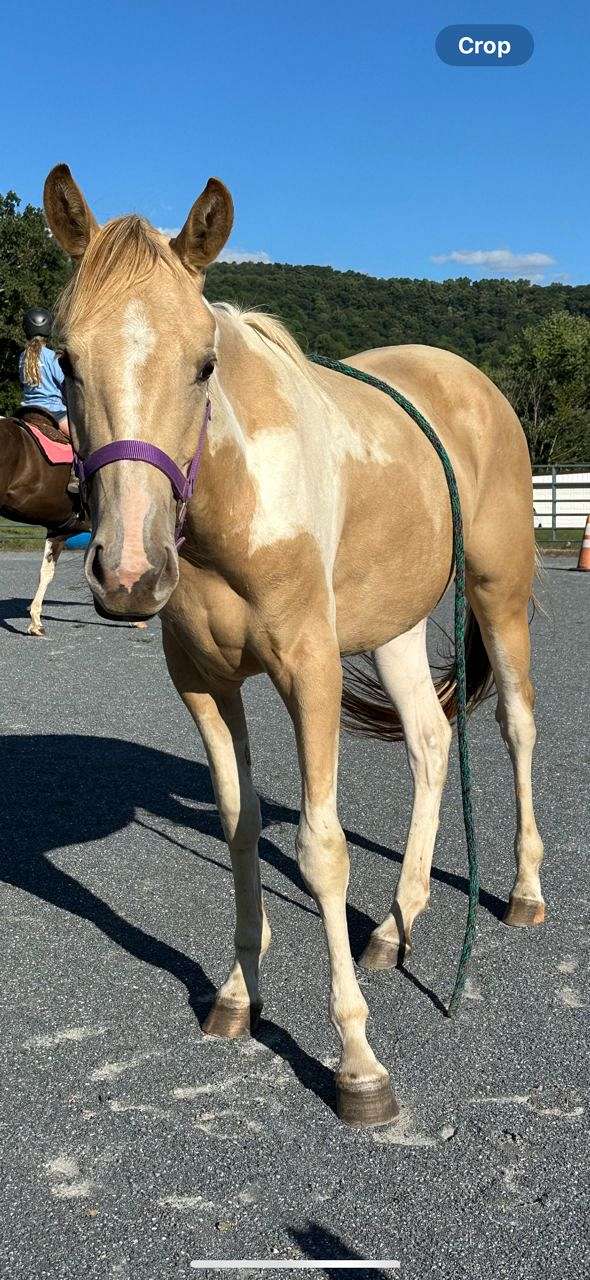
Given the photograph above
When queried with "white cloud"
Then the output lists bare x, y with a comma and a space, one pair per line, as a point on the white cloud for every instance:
227, 255
502, 262
236, 255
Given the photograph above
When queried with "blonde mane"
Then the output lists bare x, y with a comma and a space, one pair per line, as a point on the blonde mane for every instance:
122, 255
268, 327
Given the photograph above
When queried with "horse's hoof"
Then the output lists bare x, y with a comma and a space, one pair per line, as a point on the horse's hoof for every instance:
521, 912
379, 954
139, 626
35, 631
366, 1105
230, 1021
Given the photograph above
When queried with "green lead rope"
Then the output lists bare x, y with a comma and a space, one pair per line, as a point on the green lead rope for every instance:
460, 608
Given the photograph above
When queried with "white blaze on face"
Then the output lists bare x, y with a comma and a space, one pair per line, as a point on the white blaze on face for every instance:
134, 562
139, 340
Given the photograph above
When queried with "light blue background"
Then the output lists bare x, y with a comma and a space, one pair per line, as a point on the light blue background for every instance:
343, 137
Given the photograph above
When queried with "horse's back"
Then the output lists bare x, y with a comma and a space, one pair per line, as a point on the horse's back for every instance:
462, 404
475, 422
31, 489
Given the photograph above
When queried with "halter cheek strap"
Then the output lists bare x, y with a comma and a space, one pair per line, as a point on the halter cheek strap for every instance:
141, 451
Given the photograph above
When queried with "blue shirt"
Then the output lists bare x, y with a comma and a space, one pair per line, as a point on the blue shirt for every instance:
48, 392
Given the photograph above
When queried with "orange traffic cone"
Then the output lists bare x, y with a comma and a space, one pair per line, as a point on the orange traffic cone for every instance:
584, 557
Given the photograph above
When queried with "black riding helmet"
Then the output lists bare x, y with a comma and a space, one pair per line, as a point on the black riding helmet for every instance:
37, 322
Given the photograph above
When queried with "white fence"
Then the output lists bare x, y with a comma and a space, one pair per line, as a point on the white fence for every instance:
561, 498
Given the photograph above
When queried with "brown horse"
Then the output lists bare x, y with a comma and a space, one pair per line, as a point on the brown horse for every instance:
34, 491
320, 526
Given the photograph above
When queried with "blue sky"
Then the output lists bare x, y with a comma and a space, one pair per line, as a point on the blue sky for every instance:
343, 138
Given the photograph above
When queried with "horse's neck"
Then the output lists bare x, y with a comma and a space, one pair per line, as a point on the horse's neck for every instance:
222, 479
252, 465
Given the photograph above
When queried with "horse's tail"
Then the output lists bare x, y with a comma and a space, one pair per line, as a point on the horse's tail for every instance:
367, 710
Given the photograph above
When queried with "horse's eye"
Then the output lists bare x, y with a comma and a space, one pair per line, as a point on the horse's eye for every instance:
205, 373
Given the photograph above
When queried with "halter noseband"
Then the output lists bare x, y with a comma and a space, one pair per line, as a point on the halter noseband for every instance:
141, 451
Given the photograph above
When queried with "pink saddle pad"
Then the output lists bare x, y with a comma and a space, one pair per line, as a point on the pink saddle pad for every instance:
54, 450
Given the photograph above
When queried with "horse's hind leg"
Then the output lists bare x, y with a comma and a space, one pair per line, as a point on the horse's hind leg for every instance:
51, 553
404, 672
505, 632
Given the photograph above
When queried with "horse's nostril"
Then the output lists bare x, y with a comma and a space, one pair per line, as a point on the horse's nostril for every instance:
95, 566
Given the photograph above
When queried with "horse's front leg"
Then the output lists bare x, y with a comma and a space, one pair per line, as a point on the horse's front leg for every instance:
310, 681
221, 722
51, 553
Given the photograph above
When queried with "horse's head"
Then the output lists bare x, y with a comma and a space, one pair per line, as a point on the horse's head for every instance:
139, 348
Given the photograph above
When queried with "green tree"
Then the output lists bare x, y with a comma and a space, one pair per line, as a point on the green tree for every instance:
546, 377
533, 340
33, 270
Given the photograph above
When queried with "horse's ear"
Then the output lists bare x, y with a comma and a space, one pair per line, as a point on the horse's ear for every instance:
70, 220
207, 227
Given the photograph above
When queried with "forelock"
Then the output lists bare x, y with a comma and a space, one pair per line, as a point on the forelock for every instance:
121, 257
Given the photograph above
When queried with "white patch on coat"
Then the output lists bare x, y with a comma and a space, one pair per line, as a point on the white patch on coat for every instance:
283, 509
296, 469
139, 340
224, 426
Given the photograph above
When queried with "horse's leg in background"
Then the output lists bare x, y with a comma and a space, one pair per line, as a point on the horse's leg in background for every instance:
310, 682
404, 672
505, 631
51, 553
222, 724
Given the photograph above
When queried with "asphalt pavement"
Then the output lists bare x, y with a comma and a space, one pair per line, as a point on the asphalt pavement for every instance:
131, 1145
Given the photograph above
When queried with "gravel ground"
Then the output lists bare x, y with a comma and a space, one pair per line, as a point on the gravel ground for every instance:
133, 1146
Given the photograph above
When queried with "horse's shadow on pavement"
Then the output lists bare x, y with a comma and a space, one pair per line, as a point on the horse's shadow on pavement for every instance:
97, 785
17, 607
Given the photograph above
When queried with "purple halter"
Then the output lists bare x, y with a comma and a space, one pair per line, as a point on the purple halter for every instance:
140, 451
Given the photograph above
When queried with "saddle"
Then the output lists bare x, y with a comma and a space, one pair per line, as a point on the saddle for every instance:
42, 427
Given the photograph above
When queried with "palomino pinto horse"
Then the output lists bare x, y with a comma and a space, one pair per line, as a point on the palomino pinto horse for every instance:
320, 526
34, 491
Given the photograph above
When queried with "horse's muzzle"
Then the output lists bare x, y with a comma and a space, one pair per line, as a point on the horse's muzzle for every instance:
133, 590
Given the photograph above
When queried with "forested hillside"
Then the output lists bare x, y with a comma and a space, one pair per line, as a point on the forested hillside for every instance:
338, 312
534, 341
